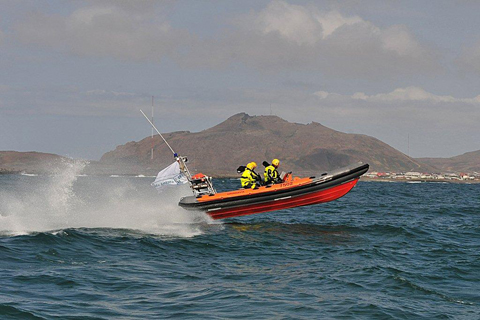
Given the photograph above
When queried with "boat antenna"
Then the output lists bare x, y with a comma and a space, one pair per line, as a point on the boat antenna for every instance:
182, 160
153, 143
183, 166
153, 126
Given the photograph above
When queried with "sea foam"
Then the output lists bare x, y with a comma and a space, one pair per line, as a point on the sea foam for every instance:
60, 201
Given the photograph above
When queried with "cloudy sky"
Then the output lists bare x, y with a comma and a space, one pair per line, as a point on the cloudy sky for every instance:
74, 74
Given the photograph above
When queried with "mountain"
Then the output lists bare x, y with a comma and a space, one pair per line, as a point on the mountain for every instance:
467, 162
302, 148
31, 162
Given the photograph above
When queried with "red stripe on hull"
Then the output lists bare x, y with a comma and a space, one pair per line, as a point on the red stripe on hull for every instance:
301, 200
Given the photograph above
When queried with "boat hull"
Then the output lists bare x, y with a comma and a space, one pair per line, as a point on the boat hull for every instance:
286, 203
293, 193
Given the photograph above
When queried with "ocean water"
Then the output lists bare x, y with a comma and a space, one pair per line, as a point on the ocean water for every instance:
81, 247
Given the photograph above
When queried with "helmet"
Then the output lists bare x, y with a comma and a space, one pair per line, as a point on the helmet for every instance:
252, 165
275, 162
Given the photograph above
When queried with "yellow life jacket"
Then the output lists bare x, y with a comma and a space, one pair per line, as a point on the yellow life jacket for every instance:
248, 178
271, 174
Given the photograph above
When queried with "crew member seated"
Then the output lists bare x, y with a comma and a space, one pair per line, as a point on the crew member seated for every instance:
250, 179
271, 173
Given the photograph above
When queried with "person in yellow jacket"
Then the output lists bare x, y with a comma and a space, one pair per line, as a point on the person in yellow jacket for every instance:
271, 173
250, 179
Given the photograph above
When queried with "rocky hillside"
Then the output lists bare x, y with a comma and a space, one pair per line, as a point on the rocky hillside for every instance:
304, 149
467, 162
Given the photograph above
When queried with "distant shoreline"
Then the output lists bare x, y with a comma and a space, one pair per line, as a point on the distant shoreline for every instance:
419, 180
363, 178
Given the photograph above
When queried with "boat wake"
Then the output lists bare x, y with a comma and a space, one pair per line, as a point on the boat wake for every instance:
61, 201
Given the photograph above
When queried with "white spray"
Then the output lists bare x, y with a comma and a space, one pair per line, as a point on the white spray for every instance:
63, 200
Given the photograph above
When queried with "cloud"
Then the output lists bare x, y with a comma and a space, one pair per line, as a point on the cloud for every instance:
282, 36
409, 94
410, 108
300, 24
322, 94
405, 94
105, 29
291, 22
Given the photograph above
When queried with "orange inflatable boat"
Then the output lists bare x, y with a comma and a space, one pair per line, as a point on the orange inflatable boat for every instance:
293, 192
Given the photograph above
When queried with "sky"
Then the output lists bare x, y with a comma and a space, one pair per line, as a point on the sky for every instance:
74, 74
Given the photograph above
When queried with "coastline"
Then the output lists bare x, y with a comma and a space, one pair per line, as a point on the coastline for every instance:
363, 178
367, 179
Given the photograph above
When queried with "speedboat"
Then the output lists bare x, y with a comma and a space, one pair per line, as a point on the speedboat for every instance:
292, 192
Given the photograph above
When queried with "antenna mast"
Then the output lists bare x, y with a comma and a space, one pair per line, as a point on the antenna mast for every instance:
153, 126
408, 145
181, 160
151, 157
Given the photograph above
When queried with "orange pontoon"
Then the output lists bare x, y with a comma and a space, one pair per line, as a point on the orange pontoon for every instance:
293, 192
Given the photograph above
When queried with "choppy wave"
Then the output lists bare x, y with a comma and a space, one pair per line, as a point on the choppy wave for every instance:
111, 248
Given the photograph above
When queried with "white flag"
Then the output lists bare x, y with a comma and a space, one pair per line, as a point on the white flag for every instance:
170, 176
